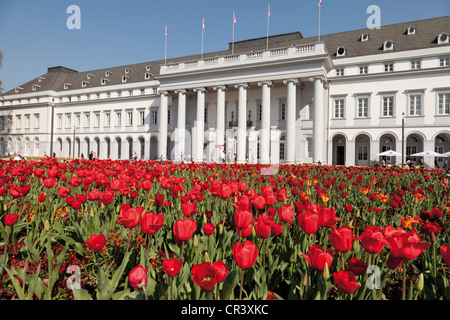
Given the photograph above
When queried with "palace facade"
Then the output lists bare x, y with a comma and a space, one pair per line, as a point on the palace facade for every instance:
341, 100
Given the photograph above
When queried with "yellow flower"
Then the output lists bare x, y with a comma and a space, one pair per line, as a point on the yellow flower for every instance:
383, 198
408, 222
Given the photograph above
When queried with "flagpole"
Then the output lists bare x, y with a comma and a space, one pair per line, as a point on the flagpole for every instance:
320, 2
165, 46
268, 17
232, 41
203, 29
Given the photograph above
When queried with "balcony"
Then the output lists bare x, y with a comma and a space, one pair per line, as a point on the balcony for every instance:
253, 57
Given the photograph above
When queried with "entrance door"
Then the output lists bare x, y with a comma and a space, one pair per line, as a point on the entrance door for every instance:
340, 155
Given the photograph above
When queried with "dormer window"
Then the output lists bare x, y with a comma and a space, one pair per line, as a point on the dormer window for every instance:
148, 67
108, 73
127, 70
443, 38
147, 75
89, 76
388, 45
365, 37
411, 30
35, 87
340, 52
125, 78
67, 86
40, 79
18, 89
104, 81
84, 83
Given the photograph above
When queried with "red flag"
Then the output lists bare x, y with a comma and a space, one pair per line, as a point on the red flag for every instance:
268, 12
234, 18
203, 23
320, 3
166, 32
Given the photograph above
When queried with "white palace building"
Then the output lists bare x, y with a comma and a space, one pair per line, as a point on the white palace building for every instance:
341, 100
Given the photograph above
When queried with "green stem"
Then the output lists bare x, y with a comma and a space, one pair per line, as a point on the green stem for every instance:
404, 282
242, 284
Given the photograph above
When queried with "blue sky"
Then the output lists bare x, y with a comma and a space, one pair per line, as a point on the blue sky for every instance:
34, 35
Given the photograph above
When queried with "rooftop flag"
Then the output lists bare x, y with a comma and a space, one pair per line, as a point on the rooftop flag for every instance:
320, 3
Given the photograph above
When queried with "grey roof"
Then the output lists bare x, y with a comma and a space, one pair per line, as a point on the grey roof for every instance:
427, 31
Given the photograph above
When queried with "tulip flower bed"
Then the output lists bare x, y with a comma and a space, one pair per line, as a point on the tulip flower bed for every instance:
102, 230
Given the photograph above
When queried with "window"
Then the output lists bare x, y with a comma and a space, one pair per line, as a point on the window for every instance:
59, 123
259, 113
97, 120
168, 116
27, 121
363, 69
18, 118
283, 111
118, 119
130, 118
388, 67
388, 106
444, 104
340, 72
415, 64
415, 104
108, 95
130, 92
142, 91
2, 122
411, 150
154, 117
68, 120
444, 62
77, 120
119, 93
87, 120
107, 119
205, 114
363, 152
363, 107
339, 108
141, 118
282, 145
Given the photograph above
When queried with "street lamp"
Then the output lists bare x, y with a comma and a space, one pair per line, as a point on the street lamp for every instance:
51, 128
73, 142
403, 139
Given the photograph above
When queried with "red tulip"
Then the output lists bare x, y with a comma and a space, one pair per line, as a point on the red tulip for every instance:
204, 276
183, 229
49, 182
151, 222
445, 253
405, 245
259, 202
94, 194
189, 208
96, 242
242, 218
146, 184
346, 281
42, 196
11, 219
221, 270
172, 266
372, 239
209, 228
19, 192
63, 191
357, 266
116, 184
129, 217
138, 277
317, 258
245, 255
327, 217
342, 238
285, 213
308, 222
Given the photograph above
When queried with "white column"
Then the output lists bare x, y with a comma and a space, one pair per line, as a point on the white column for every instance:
181, 126
290, 119
265, 122
242, 123
200, 124
163, 118
220, 129
318, 125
